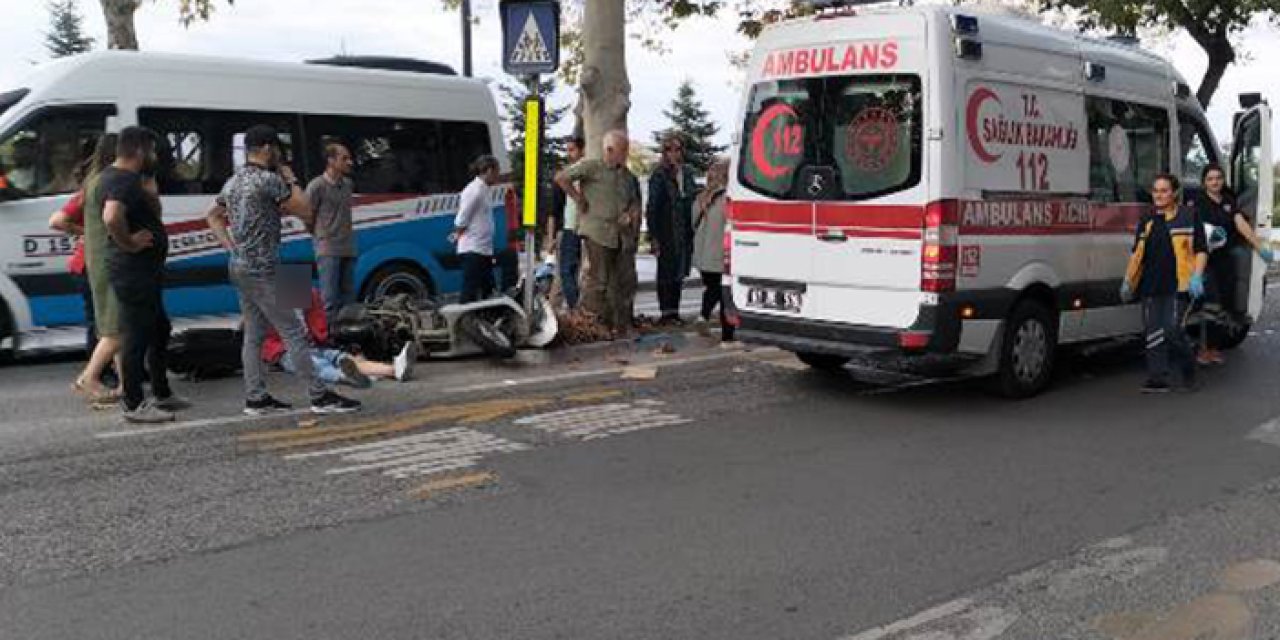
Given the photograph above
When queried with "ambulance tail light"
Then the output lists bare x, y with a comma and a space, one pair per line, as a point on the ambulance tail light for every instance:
940, 251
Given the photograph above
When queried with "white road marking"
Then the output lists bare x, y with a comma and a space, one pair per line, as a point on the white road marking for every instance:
196, 424
922, 618
241, 419
602, 421
417, 455
989, 613
1267, 433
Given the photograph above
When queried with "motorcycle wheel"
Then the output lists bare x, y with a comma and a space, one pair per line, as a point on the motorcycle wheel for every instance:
487, 336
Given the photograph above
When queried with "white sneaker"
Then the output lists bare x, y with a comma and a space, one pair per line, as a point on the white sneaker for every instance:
405, 360
148, 413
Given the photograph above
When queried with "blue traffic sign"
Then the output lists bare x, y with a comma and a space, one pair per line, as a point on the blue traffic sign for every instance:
530, 36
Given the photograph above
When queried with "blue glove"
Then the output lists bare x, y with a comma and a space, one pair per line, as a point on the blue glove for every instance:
1197, 286
1268, 256
1126, 292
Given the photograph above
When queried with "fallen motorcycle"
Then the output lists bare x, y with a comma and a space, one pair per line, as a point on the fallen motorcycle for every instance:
497, 327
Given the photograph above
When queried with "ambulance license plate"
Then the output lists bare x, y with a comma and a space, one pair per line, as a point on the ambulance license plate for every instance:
775, 298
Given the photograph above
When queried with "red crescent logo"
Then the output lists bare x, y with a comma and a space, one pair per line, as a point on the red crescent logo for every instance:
758, 152
976, 100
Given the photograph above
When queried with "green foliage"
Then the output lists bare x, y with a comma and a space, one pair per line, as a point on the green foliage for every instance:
66, 36
1211, 23
693, 124
191, 10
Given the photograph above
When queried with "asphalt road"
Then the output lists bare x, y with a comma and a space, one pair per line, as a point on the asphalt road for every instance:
715, 494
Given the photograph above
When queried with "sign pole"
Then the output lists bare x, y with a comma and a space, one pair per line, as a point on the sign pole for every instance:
534, 121
531, 47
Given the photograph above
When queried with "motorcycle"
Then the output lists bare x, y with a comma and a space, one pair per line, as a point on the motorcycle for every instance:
497, 327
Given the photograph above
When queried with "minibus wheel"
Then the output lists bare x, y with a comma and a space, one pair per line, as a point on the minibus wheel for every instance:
1027, 350
824, 362
397, 278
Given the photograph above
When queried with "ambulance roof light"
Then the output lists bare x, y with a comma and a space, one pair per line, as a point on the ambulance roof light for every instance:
1250, 100
964, 25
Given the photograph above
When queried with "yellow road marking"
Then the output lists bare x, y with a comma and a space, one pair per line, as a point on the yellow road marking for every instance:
470, 413
594, 396
452, 482
310, 433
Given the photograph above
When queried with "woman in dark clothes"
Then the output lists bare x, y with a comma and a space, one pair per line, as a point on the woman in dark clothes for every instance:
1216, 205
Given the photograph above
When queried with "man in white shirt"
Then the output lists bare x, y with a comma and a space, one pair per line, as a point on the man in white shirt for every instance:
473, 231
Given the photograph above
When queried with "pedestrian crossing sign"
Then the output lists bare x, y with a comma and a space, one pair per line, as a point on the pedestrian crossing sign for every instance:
530, 36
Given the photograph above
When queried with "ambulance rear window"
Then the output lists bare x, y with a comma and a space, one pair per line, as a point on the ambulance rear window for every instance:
863, 129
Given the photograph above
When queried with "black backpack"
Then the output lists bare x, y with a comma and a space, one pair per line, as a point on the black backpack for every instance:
203, 354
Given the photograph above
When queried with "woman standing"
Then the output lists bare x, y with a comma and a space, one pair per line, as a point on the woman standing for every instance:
106, 308
708, 243
1216, 205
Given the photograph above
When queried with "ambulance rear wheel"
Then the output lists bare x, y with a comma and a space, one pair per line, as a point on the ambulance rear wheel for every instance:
1027, 351
823, 362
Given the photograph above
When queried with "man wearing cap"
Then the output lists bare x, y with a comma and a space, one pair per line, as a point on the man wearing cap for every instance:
246, 220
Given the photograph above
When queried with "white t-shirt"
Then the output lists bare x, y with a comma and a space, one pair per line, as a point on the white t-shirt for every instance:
475, 216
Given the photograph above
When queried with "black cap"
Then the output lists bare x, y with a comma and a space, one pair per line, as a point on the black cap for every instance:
261, 135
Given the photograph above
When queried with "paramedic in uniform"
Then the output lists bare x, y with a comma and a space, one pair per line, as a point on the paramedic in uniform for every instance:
604, 193
1166, 271
1216, 205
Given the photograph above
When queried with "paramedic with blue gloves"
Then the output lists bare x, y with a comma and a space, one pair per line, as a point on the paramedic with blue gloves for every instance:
1166, 271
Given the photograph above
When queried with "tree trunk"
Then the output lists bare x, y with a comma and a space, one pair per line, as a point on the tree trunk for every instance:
1221, 55
606, 92
120, 31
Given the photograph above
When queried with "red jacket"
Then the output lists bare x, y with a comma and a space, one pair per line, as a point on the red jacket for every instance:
273, 349
74, 210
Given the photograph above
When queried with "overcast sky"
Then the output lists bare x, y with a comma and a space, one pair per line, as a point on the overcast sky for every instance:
292, 30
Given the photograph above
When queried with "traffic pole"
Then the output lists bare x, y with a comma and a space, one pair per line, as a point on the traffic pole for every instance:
533, 136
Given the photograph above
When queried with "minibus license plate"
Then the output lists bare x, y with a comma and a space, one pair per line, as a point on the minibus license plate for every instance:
775, 299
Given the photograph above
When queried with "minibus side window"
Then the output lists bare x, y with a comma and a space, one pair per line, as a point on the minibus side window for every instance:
400, 156
1128, 147
42, 156
201, 148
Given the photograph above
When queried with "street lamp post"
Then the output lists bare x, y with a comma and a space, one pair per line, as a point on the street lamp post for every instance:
466, 38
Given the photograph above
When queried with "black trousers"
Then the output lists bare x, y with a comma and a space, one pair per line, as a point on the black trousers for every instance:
712, 297
477, 277
673, 268
144, 332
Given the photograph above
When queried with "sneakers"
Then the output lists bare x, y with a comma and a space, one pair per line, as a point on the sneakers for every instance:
331, 402
147, 413
405, 360
351, 372
266, 406
173, 403
1155, 386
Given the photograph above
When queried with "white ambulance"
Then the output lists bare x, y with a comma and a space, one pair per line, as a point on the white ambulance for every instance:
932, 180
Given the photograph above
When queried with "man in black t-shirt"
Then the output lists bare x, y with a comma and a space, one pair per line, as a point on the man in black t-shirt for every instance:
135, 264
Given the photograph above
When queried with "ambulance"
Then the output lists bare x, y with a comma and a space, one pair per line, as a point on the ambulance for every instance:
931, 180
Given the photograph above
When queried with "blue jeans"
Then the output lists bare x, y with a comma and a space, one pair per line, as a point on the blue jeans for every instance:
337, 284
570, 264
325, 364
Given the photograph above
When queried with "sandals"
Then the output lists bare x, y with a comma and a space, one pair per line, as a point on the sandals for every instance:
110, 396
